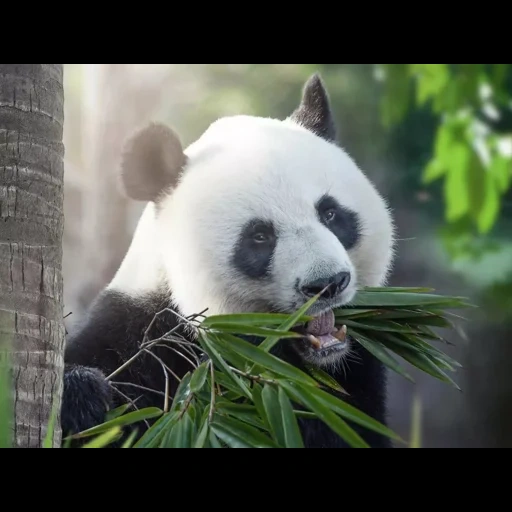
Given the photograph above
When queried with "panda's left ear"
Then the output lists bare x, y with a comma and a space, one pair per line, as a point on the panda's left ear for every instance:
314, 112
151, 163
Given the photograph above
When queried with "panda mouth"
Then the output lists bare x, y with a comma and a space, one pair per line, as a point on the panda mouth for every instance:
322, 333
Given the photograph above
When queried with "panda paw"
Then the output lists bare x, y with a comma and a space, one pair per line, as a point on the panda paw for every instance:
86, 399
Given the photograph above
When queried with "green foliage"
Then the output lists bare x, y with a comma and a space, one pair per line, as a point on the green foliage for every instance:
242, 396
470, 155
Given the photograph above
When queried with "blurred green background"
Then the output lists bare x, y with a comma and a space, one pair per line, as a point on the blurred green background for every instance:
436, 139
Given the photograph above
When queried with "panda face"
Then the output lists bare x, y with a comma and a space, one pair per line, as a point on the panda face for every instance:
263, 215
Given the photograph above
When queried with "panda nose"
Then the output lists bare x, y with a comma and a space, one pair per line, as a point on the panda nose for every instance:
333, 285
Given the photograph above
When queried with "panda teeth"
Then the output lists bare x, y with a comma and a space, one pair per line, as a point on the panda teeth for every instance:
314, 341
341, 334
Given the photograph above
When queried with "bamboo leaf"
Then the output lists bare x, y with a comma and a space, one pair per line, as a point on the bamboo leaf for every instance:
406, 299
268, 343
255, 355
273, 413
118, 411
105, 438
380, 352
257, 396
253, 438
217, 358
424, 363
291, 431
398, 289
324, 378
243, 412
261, 319
153, 435
339, 426
182, 392
48, 439
126, 419
131, 438
214, 440
203, 434
353, 414
252, 330
198, 378
180, 436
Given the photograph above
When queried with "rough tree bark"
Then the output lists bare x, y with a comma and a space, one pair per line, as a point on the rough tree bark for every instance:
31, 230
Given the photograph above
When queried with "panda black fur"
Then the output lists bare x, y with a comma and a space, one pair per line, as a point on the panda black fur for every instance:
230, 227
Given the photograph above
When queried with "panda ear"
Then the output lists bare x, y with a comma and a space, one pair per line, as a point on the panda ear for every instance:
151, 163
314, 112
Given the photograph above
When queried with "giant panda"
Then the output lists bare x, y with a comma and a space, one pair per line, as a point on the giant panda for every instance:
257, 215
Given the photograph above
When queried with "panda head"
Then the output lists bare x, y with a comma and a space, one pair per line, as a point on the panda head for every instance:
260, 215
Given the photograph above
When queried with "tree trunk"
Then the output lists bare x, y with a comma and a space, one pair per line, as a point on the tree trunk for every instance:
31, 230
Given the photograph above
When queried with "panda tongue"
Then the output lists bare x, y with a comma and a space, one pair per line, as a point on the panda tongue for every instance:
321, 327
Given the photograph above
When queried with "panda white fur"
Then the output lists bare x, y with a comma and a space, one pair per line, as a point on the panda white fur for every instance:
257, 215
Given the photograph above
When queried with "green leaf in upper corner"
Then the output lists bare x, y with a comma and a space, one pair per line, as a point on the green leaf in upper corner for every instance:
105, 438
499, 74
199, 377
291, 431
261, 319
304, 396
433, 171
431, 80
397, 93
457, 182
240, 435
255, 355
489, 211
273, 413
500, 169
381, 353
126, 419
324, 378
481, 189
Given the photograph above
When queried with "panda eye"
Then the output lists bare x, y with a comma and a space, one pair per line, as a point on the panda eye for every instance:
260, 238
330, 214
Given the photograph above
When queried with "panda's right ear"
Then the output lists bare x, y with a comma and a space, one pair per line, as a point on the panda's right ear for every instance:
151, 163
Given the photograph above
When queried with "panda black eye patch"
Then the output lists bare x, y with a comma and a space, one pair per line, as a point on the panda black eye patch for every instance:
254, 249
343, 223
